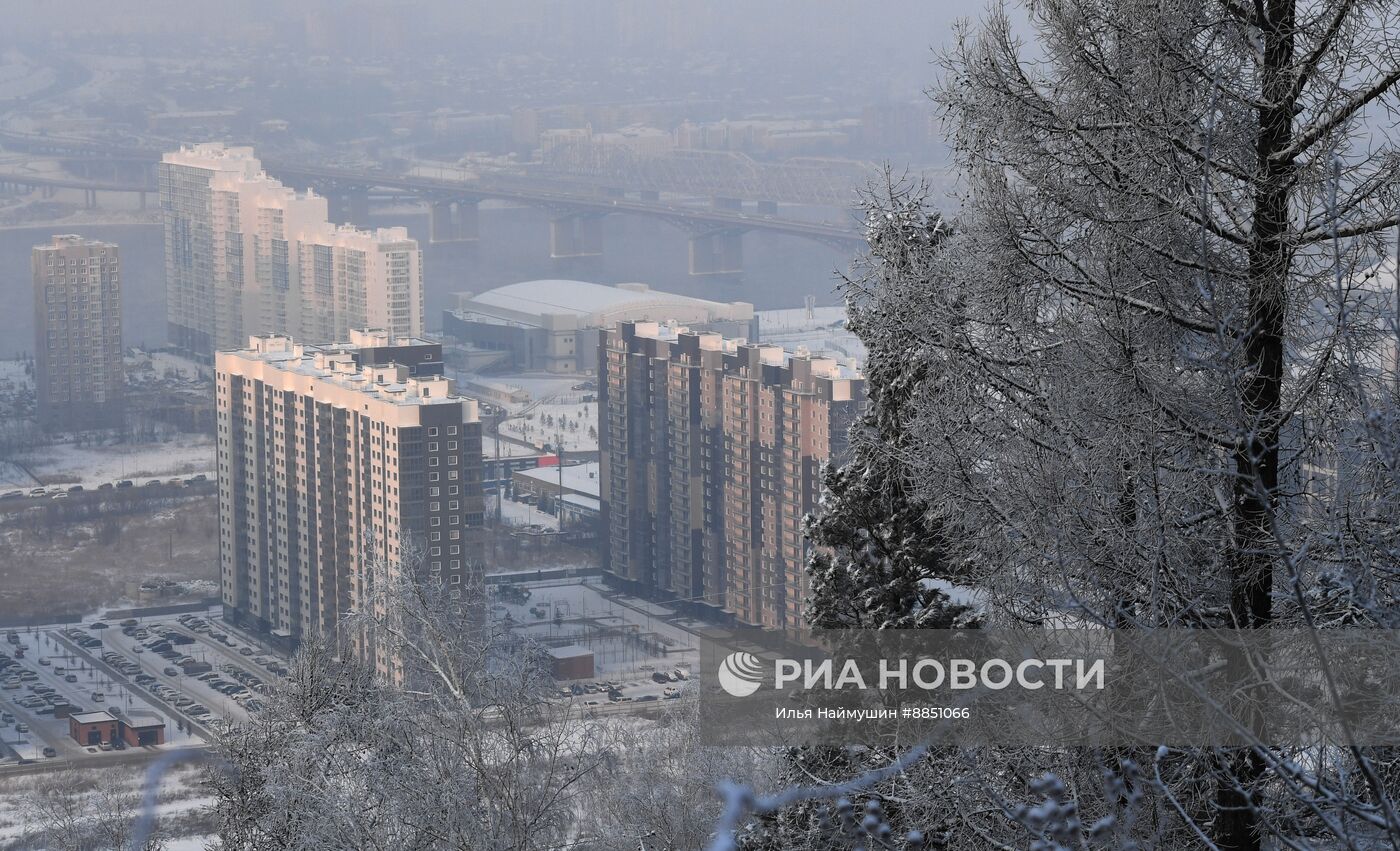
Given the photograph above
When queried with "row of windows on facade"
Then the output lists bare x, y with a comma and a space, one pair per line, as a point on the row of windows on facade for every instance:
52, 259
70, 289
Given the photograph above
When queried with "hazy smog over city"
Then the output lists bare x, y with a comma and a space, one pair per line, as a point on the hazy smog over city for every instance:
740, 425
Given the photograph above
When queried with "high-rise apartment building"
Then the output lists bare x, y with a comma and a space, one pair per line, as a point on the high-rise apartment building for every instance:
245, 255
711, 455
79, 377
335, 462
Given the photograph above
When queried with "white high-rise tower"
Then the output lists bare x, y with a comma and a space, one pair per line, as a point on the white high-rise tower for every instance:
247, 255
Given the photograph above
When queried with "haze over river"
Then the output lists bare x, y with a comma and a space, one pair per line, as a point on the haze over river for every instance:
778, 271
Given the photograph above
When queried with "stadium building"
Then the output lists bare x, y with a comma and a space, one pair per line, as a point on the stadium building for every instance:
553, 325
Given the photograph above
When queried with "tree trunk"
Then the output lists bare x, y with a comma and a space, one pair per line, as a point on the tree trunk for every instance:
1257, 451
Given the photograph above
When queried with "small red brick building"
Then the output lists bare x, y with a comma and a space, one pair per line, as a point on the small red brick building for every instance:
96, 728
141, 730
571, 662
92, 728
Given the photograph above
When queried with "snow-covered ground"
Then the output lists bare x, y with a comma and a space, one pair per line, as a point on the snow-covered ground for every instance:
508, 448
91, 466
181, 796
823, 331
540, 386
592, 615
12, 477
13, 376
576, 423
519, 514
789, 319
161, 365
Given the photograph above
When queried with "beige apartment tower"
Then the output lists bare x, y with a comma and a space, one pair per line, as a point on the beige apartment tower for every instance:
711, 453
246, 255
333, 462
79, 376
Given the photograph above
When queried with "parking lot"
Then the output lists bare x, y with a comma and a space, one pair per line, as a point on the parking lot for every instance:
641, 655
186, 670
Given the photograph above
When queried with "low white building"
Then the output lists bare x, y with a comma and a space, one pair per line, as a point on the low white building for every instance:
552, 325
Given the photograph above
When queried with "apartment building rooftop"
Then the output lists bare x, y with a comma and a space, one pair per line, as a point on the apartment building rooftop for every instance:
68, 240
824, 365
580, 478
336, 365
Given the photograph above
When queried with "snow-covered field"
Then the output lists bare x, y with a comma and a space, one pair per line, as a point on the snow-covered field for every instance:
507, 449
91, 466
576, 423
14, 478
13, 376
25, 799
540, 386
591, 614
823, 331
162, 364
519, 514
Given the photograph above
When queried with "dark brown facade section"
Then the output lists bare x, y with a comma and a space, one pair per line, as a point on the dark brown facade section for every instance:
711, 454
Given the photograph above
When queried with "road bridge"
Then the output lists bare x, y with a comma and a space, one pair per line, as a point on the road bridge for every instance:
576, 211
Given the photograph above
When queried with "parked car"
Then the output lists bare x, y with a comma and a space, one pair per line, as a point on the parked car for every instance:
50, 753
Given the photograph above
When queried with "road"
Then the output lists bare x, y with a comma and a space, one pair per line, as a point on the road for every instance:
96, 497
133, 756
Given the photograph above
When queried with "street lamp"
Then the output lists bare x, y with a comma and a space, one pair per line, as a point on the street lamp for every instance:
559, 500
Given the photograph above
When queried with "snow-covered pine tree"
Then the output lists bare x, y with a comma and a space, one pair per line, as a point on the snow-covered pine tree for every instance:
878, 560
